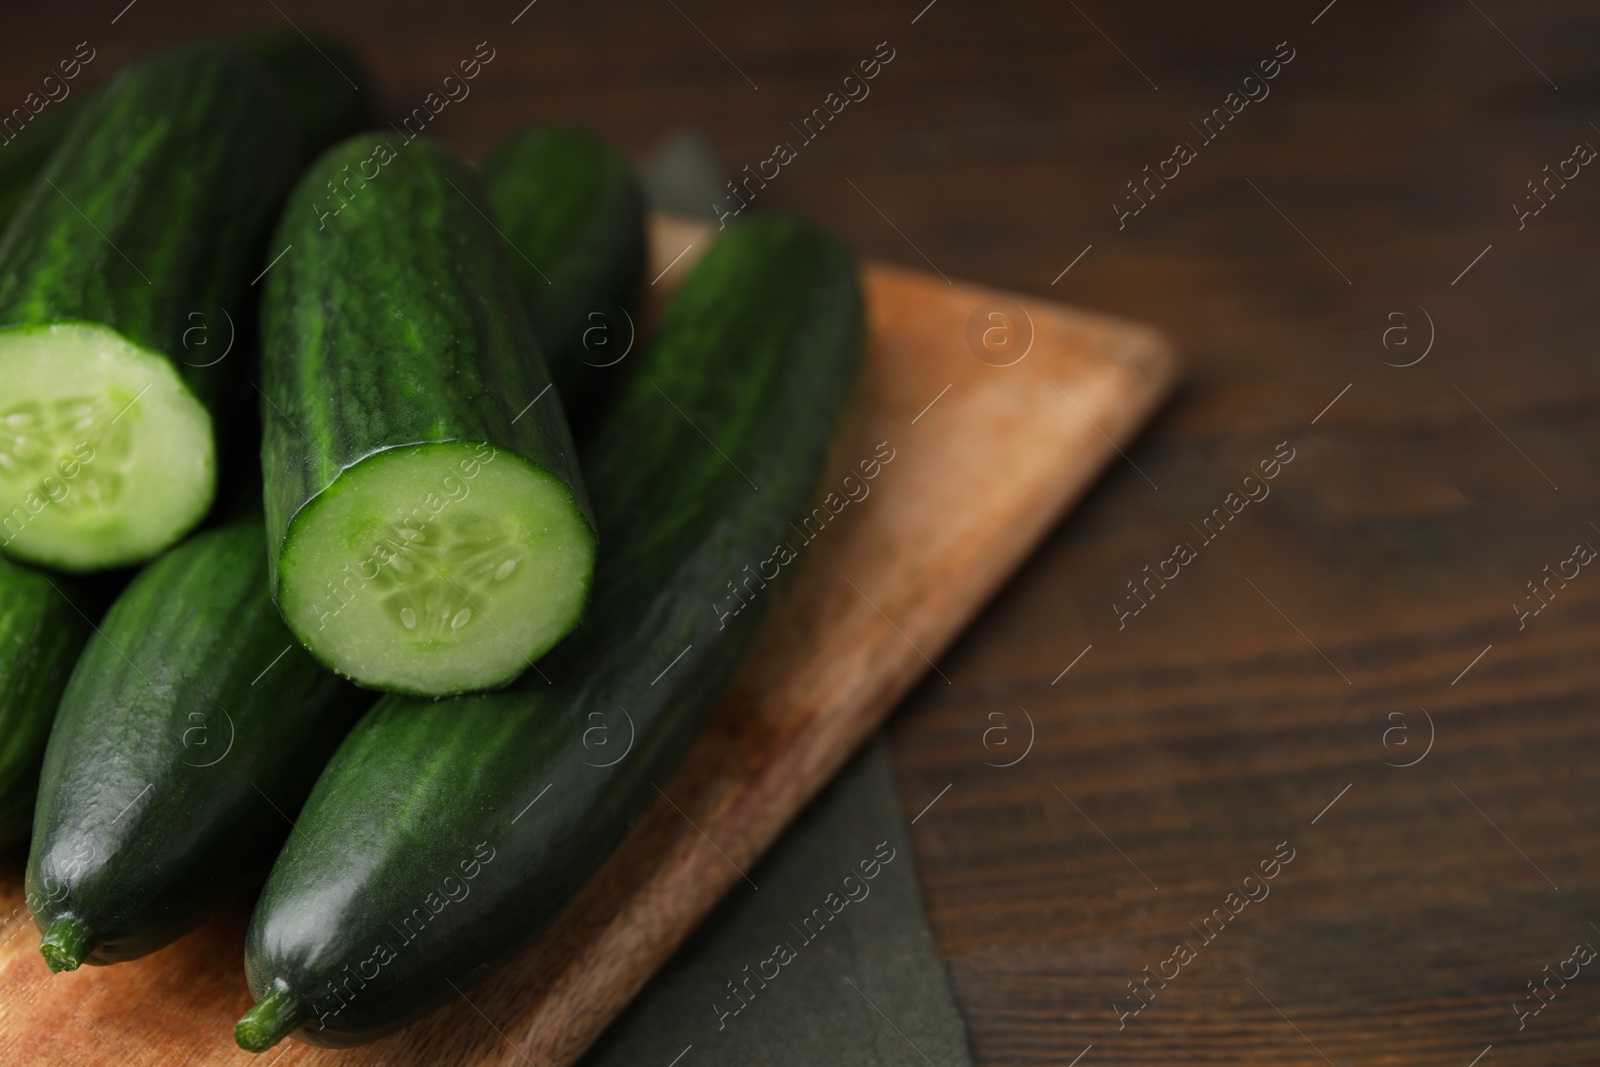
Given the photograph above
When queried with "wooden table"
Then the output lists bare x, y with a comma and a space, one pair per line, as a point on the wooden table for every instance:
1366, 606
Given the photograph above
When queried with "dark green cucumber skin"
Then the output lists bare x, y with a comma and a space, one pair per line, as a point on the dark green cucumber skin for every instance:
24, 156
428, 802
326, 107
568, 203
180, 164
133, 835
41, 634
393, 320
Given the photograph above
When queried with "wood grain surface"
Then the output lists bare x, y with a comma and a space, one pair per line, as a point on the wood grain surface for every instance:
975, 459
1384, 163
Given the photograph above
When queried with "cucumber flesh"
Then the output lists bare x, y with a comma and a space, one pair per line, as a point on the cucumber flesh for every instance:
105, 454
440, 567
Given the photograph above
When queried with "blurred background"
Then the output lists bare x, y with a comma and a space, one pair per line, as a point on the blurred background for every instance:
1378, 255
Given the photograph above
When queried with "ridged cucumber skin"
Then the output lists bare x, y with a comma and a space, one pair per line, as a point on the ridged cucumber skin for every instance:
180, 165
191, 729
41, 634
393, 320
326, 107
23, 157
571, 208
444, 835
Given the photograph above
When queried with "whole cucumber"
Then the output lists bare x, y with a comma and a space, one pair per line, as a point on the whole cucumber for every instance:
191, 730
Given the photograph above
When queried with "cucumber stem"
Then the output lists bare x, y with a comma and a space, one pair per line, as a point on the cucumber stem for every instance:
273, 1018
66, 944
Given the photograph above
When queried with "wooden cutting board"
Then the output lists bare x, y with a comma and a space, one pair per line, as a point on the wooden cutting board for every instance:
999, 411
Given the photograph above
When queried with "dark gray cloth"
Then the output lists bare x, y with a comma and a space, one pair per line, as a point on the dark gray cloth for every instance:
858, 984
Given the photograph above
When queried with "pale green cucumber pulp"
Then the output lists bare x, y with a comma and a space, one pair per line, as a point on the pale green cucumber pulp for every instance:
440, 567
106, 456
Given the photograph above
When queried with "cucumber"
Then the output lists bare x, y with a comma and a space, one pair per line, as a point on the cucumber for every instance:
24, 156
327, 109
154, 205
41, 634
444, 835
428, 529
311, 72
570, 207
191, 730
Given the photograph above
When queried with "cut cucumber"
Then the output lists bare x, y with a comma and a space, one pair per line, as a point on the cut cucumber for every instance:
441, 590
145, 225
429, 850
108, 448
428, 529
